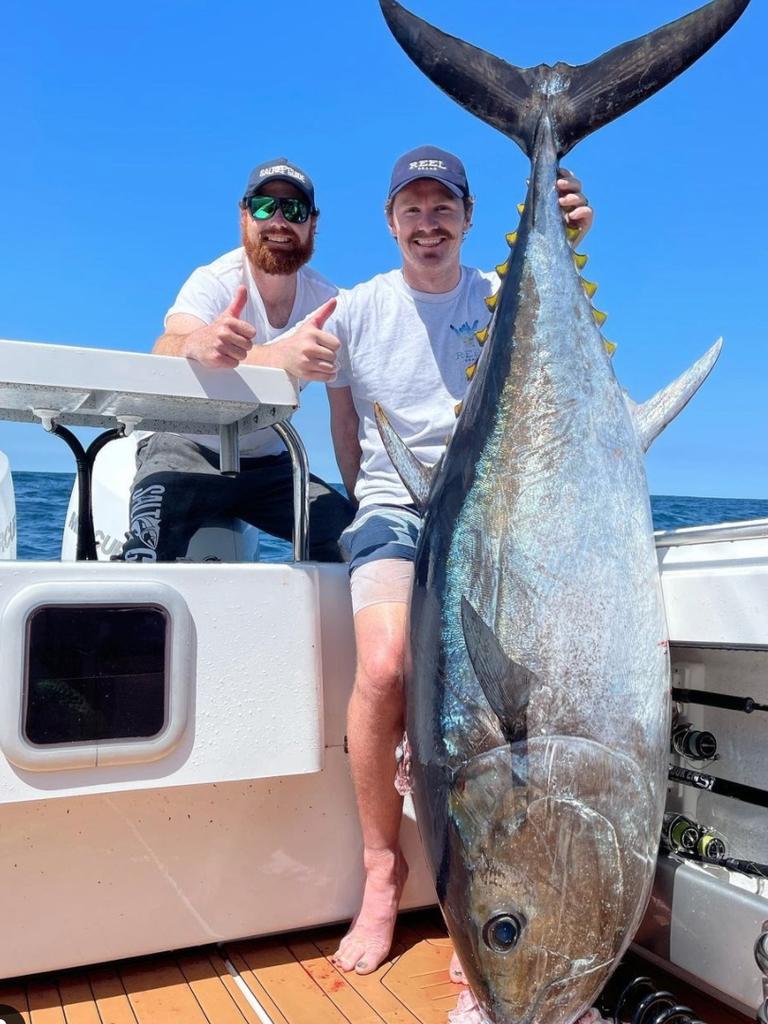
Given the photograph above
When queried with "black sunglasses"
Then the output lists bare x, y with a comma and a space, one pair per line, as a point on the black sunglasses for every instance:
295, 211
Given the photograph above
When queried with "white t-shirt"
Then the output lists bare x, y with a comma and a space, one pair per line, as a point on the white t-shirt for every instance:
210, 290
408, 351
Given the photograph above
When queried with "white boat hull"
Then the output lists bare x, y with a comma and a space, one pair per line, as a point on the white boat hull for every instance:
121, 860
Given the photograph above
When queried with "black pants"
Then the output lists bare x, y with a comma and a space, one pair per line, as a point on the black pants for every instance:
178, 488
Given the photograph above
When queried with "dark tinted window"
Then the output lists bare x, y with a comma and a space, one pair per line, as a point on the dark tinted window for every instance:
95, 673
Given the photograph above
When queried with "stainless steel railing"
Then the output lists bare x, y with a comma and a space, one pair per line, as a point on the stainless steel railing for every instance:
300, 464
750, 529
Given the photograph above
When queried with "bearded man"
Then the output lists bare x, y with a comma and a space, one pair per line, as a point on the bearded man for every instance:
228, 313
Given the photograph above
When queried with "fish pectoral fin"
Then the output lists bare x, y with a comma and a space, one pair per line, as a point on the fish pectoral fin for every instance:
506, 684
416, 477
653, 416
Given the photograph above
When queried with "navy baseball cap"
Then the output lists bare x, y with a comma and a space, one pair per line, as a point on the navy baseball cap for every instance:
430, 162
280, 169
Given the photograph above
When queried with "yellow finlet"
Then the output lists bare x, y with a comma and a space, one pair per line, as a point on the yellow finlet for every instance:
511, 238
492, 301
580, 260
589, 287
471, 370
572, 233
482, 336
503, 268
457, 409
610, 347
599, 316
521, 208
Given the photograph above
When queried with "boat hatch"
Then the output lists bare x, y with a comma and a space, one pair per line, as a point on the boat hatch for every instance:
98, 673
120, 677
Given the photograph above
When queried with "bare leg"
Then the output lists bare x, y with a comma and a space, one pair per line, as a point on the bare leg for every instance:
375, 727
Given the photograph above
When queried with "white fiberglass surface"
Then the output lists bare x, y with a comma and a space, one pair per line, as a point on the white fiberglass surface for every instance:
92, 387
252, 685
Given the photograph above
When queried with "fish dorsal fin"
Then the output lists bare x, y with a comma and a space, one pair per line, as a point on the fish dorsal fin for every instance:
416, 477
506, 684
654, 415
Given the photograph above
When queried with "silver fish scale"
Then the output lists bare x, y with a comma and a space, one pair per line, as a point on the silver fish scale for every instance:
551, 544
539, 793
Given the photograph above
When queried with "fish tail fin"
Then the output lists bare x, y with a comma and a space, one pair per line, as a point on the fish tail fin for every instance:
623, 77
578, 100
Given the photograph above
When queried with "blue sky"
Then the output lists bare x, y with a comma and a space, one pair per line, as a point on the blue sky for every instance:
129, 133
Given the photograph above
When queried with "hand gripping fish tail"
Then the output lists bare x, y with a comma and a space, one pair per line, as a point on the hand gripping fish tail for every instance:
537, 704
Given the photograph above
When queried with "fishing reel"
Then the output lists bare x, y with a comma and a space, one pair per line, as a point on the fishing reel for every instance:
637, 1000
694, 744
761, 958
640, 1002
681, 834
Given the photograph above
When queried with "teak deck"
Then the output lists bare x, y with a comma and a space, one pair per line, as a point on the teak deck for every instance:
291, 976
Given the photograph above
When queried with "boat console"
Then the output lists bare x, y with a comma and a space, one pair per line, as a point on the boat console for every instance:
118, 392
103, 388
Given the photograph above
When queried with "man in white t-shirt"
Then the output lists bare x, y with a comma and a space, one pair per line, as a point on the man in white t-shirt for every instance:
230, 312
409, 340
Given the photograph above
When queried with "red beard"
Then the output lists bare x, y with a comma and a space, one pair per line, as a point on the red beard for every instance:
281, 262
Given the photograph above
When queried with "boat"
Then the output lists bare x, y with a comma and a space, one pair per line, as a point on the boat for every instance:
185, 847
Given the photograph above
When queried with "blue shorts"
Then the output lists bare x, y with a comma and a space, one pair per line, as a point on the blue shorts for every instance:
381, 531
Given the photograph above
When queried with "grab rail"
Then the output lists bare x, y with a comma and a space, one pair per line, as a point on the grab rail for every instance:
300, 467
749, 529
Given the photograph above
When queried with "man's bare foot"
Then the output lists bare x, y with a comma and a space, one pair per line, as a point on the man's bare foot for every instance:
456, 971
368, 941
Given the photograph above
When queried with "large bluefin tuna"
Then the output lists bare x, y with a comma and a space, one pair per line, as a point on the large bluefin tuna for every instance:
538, 696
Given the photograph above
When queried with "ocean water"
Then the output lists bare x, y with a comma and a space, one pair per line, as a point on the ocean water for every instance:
42, 499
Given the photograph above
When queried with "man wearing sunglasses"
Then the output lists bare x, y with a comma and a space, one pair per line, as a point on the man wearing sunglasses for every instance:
409, 341
230, 312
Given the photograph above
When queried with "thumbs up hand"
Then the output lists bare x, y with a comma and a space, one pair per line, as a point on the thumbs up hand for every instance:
225, 342
310, 352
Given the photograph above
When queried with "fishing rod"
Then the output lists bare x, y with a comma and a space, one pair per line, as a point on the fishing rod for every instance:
745, 867
717, 700
684, 837
721, 787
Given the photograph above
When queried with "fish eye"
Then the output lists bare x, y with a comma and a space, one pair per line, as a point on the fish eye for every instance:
502, 933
